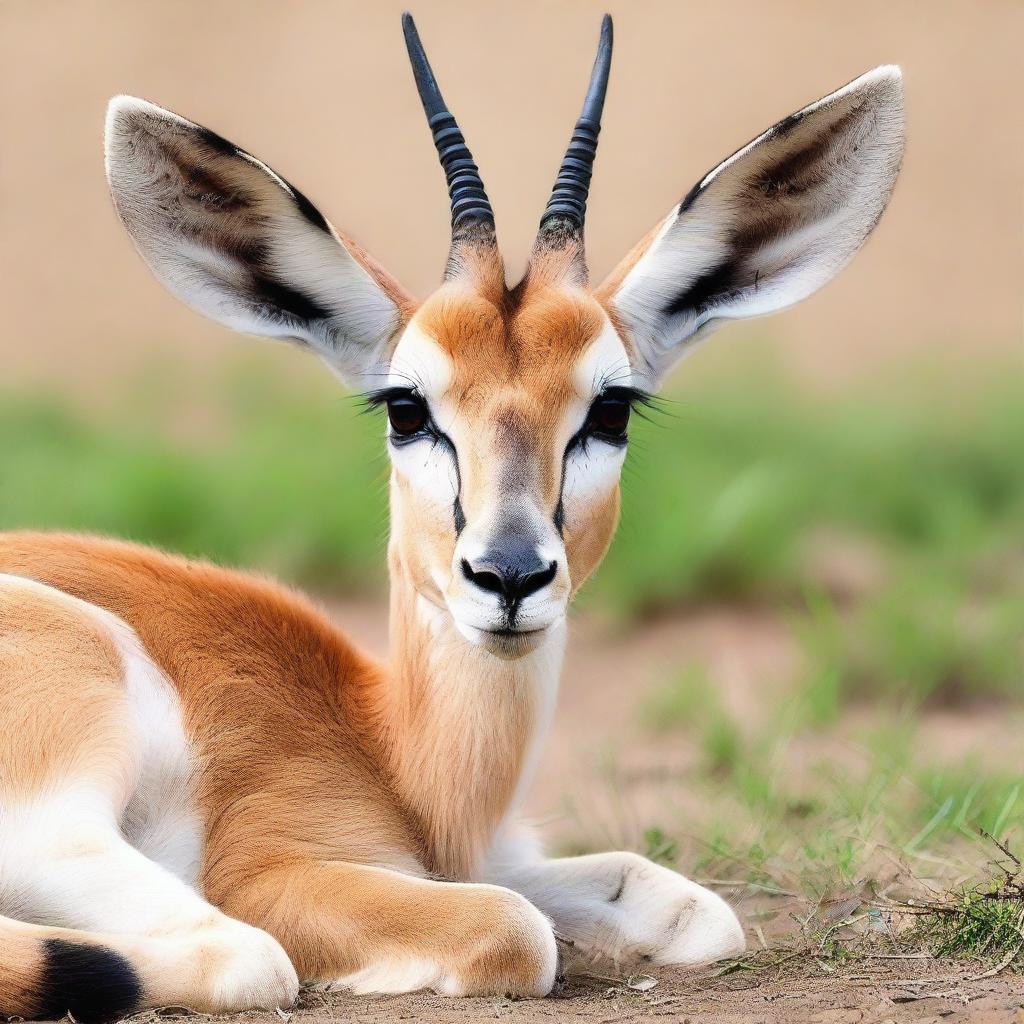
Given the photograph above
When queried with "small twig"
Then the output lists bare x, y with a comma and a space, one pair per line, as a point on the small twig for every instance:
898, 956
1002, 846
999, 967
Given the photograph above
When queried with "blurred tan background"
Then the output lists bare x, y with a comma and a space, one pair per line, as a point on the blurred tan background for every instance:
322, 91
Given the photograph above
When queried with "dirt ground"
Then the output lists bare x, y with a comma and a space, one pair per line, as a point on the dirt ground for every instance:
897, 992
864, 997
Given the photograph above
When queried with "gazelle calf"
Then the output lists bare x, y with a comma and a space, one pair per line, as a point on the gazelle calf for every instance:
207, 792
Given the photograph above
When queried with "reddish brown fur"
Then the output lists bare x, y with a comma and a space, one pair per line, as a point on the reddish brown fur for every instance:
62, 701
513, 365
405, 302
299, 785
21, 966
319, 765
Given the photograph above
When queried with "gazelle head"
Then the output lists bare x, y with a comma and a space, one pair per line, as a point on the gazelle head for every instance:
508, 408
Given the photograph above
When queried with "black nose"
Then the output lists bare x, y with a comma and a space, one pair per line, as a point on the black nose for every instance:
514, 571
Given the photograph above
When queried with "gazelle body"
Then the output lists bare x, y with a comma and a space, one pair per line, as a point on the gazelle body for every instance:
207, 792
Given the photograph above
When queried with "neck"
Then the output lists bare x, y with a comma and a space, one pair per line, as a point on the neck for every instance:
463, 727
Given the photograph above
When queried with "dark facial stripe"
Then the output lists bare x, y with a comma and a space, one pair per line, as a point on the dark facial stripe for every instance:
458, 515
559, 516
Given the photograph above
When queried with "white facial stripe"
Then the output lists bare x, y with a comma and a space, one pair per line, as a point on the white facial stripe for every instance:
429, 467
605, 363
593, 469
419, 361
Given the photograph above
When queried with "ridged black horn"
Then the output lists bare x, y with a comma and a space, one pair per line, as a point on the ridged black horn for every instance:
470, 205
567, 207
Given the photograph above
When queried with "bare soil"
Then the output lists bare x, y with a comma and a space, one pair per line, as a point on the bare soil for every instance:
876, 993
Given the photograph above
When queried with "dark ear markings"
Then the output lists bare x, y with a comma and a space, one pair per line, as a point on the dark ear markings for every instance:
212, 192
801, 170
715, 283
218, 142
691, 196
793, 174
780, 173
238, 198
787, 124
308, 210
279, 297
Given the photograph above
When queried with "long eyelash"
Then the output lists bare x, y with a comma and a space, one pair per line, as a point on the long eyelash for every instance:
635, 396
381, 396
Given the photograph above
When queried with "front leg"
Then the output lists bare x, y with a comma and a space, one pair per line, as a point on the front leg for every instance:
379, 930
624, 906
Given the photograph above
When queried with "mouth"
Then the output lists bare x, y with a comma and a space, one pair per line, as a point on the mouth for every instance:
506, 642
507, 632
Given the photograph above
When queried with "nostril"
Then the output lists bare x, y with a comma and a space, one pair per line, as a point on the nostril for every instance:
485, 579
511, 582
535, 581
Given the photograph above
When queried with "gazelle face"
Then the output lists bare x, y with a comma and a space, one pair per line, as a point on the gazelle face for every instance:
508, 409
507, 433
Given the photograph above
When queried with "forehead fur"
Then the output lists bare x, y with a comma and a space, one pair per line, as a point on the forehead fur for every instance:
532, 338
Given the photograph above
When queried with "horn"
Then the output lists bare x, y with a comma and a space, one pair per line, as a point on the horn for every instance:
471, 209
567, 208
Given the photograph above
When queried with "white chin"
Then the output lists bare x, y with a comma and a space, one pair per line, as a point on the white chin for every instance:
503, 645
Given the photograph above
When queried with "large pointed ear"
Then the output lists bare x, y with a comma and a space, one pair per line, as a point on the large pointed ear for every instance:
768, 226
236, 242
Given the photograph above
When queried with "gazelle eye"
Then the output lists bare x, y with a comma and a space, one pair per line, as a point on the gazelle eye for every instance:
407, 415
609, 417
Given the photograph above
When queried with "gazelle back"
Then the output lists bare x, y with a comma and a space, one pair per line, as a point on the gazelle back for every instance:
243, 762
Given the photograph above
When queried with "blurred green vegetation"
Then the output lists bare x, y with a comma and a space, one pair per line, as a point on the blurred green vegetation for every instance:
727, 492
279, 480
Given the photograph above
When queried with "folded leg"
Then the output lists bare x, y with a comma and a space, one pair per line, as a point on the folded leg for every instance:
380, 930
623, 906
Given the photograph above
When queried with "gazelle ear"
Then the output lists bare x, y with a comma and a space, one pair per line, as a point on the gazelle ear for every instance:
768, 226
236, 242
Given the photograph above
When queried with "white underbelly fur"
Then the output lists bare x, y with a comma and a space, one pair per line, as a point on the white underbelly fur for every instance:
161, 819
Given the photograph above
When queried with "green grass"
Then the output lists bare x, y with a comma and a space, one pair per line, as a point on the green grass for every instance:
807, 803
725, 488
977, 923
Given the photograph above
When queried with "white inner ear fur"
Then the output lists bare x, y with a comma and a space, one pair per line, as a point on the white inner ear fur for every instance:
183, 242
819, 230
